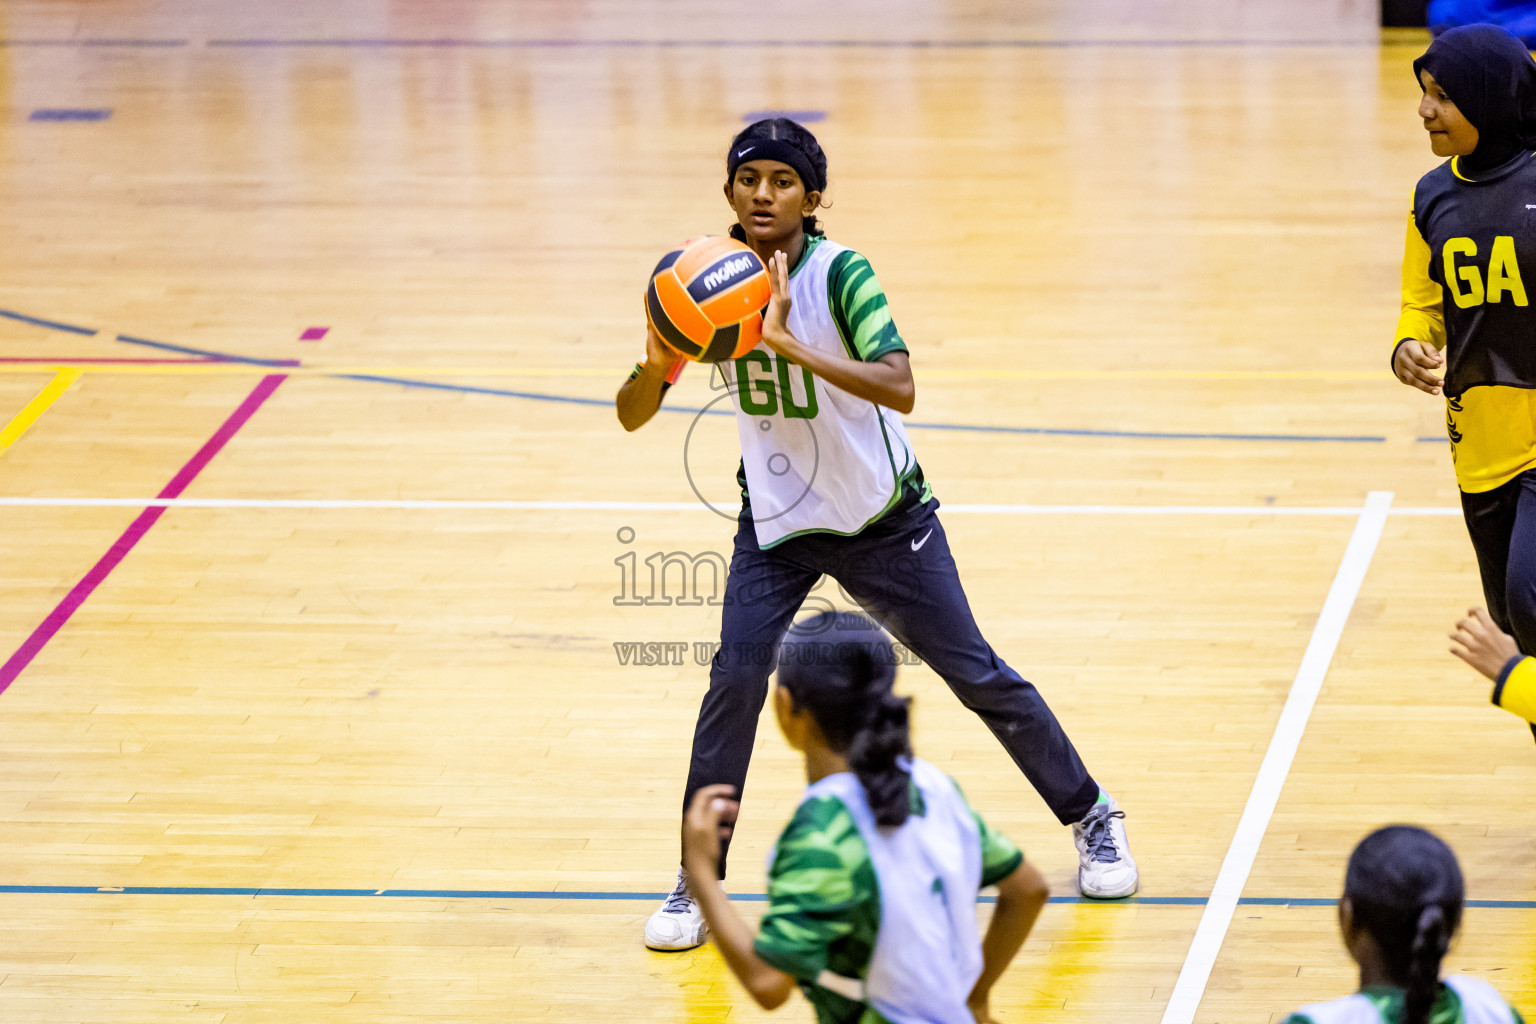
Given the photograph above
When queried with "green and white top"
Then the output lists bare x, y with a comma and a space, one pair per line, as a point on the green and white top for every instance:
835, 881
814, 457
1460, 1001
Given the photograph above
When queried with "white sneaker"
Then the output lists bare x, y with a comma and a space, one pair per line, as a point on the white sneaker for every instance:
678, 923
1105, 870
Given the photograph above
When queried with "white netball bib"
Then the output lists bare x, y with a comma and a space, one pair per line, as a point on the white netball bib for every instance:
928, 953
1480, 1004
1480, 1001
816, 457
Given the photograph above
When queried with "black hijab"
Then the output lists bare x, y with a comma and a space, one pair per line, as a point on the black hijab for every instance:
1490, 76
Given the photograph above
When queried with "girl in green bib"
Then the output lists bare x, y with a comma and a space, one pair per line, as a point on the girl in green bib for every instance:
831, 486
873, 883
1402, 903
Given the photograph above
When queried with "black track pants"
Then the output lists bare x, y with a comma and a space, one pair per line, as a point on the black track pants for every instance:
1502, 523
899, 569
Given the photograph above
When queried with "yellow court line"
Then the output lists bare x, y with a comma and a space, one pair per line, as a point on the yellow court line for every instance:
39, 405
195, 369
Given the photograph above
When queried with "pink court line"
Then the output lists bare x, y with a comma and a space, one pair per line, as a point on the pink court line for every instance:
135, 532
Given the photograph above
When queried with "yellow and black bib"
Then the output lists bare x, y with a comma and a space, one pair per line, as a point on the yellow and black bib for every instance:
1469, 277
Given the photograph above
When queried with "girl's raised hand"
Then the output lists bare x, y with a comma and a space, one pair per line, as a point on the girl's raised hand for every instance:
776, 317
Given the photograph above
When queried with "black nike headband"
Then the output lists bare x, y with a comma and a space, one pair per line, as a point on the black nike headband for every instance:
774, 149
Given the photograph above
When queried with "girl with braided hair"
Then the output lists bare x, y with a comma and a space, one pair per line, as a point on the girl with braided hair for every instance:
1403, 896
872, 888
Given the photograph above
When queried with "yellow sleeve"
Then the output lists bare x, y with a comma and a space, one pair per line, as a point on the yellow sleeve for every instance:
1422, 316
1516, 691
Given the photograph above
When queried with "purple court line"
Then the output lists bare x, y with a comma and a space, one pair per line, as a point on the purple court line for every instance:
94, 360
94, 42
135, 532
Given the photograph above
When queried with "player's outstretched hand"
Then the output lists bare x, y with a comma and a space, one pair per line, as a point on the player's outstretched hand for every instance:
1481, 644
710, 819
1415, 362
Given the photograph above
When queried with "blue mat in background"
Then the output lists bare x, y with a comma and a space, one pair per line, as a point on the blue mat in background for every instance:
1517, 16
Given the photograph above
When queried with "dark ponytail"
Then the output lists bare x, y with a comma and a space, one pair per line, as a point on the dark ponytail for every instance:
1431, 941
782, 130
1406, 890
874, 757
844, 681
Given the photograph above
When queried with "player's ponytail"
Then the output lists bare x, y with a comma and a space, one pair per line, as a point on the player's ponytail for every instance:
1431, 940
1405, 888
805, 155
843, 678
877, 756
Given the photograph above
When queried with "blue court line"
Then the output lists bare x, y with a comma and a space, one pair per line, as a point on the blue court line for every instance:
834, 44
95, 42
535, 396
1154, 435
56, 325
208, 353
52, 325
542, 894
803, 116
538, 396
1279, 901
70, 114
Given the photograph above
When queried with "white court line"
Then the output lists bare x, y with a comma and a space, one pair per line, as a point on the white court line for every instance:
404, 504
1235, 868
1152, 510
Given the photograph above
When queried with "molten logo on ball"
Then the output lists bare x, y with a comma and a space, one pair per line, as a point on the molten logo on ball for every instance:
706, 299
728, 270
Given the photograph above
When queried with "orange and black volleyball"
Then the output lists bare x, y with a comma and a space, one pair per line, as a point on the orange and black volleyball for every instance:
706, 298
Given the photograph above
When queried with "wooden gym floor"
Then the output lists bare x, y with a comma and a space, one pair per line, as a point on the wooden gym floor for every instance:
315, 711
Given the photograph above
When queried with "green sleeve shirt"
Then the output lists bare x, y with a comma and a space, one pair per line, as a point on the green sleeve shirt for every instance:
859, 308
824, 901
1447, 1008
